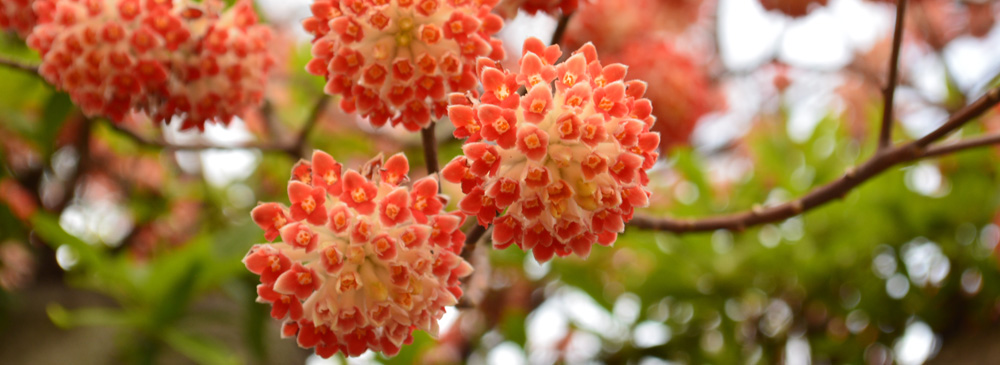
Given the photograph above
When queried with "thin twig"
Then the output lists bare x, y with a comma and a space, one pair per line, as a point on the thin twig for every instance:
157, 143
557, 36
271, 122
298, 149
295, 150
20, 66
889, 92
82, 147
962, 145
471, 238
836, 189
960, 117
430, 149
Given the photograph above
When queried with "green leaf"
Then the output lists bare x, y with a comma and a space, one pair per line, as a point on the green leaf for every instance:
200, 349
690, 165
57, 109
175, 299
64, 318
47, 227
255, 322
512, 326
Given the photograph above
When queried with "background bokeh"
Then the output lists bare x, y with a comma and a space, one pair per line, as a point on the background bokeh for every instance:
133, 253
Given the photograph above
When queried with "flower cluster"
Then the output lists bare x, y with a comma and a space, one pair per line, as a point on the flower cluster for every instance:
398, 59
563, 167
364, 258
508, 8
632, 19
683, 92
166, 58
793, 8
17, 15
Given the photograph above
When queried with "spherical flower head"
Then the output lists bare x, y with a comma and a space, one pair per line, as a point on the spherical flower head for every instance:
508, 8
165, 58
396, 60
364, 258
610, 23
683, 92
18, 16
557, 169
793, 8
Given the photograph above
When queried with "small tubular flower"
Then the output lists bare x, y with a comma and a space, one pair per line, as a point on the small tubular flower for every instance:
575, 168
383, 260
396, 60
165, 58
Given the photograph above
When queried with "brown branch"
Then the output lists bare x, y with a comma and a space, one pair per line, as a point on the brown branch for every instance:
161, 144
271, 122
471, 238
889, 92
430, 150
557, 36
82, 147
836, 189
960, 117
962, 145
299, 148
20, 66
295, 150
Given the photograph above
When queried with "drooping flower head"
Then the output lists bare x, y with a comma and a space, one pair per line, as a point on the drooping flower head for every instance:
398, 59
563, 167
793, 8
508, 8
164, 57
364, 258
683, 92
17, 15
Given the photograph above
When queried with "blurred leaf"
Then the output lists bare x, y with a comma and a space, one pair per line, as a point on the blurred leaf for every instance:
690, 165
47, 227
179, 282
255, 322
88, 317
198, 348
411, 354
513, 326
57, 110
955, 98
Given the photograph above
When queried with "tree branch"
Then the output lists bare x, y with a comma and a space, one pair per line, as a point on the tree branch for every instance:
471, 238
20, 66
295, 150
430, 149
961, 117
557, 36
298, 149
889, 92
158, 143
962, 145
836, 189
82, 147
